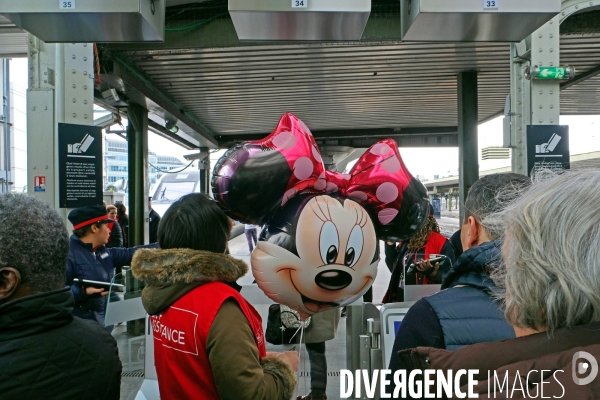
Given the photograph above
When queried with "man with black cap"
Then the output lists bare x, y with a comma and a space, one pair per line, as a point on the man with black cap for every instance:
90, 260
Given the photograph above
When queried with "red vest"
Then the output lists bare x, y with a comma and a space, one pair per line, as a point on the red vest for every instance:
434, 245
180, 337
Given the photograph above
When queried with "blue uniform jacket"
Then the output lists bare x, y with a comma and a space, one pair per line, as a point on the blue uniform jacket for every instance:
98, 265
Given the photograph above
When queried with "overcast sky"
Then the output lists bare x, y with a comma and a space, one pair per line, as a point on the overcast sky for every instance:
583, 132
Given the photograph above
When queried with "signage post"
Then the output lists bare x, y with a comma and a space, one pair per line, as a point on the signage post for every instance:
80, 165
547, 148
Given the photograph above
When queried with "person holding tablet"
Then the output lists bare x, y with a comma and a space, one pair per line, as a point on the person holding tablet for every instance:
90, 260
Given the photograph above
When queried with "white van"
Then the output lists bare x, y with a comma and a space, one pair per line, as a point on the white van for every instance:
171, 187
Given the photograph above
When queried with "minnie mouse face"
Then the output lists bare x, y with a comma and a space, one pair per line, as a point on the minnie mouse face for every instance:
336, 260
318, 248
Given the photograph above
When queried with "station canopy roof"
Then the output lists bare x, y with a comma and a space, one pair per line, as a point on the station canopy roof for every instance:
222, 90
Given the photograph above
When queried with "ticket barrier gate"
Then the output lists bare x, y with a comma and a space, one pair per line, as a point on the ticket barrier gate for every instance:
370, 333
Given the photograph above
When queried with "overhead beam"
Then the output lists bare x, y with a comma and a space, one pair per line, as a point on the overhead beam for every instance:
353, 133
152, 125
581, 78
139, 80
442, 136
445, 140
583, 23
565, 85
164, 132
491, 117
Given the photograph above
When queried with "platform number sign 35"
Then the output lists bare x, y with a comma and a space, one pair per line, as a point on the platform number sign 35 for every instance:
66, 4
490, 4
299, 3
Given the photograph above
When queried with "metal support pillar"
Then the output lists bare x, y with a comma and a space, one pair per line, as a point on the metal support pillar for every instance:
520, 107
204, 167
61, 89
533, 102
468, 163
137, 152
545, 95
137, 155
6, 177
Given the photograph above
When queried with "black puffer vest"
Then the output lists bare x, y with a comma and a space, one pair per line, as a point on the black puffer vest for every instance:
467, 312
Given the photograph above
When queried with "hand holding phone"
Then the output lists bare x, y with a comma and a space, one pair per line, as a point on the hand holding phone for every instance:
412, 268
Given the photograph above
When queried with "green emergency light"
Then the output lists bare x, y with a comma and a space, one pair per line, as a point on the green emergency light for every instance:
550, 73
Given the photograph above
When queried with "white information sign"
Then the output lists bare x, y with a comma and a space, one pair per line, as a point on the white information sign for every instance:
299, 3
490, 4
67, 4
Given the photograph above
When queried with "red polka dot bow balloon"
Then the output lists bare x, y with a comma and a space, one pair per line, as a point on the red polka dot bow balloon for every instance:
380, 182
318, 247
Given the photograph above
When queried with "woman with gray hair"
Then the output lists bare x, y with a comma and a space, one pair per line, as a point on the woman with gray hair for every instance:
551, 289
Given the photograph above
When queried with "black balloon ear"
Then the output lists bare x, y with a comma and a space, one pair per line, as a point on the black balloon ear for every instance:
255, 177
249, 181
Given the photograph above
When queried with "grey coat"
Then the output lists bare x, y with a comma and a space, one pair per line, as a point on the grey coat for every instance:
323, 326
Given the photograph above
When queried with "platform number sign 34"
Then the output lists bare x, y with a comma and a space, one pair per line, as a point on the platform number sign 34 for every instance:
66, 4
299, 3
490, 4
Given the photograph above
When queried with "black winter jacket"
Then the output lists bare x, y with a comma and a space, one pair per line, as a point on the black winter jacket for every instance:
154, 221
116, 236
124, 222
46, 353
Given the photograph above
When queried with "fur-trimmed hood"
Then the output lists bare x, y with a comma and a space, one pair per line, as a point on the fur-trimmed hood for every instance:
158, 267
169, 274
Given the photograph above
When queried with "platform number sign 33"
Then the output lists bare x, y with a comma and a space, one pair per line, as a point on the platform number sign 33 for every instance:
490, 4
66, 4
299, 3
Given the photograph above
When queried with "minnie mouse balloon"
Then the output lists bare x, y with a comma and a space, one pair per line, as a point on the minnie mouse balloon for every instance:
319, 244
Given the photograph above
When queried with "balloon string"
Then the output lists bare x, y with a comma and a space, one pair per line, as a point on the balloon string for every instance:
295, 333
301, 329
300, 355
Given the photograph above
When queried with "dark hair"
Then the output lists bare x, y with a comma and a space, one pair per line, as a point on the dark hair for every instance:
33, 240
81, 232
488, 196
194, 222
419, 240
121, 209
